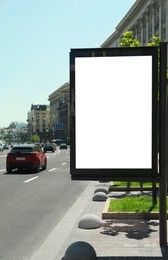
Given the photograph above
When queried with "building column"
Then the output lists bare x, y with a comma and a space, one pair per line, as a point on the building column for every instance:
135, 30
144, 28
153, 19
142, 32
147, 25
160, 20
166, 20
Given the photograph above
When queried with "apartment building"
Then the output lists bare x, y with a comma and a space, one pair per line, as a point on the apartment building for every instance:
60, 112
146, 18
39, 121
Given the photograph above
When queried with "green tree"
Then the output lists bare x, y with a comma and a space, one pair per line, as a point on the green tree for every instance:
128, 40
156, 42
35, 138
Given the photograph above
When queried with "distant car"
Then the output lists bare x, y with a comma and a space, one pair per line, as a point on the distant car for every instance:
5, 146
54, 146
1, 147
48, 148
63, 146
24, 157
58, 141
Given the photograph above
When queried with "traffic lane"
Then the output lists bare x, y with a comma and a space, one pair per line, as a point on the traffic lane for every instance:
16, 177
32, 224
30, 211
12, 180
2, 160
10, 183
61, 157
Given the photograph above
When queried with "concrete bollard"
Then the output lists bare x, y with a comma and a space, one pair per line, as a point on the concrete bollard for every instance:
80, 250
90, 221
100, 196
102, 189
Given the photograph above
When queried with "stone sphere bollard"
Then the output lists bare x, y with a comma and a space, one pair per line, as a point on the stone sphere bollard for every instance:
80, 251
90, 221
100, 196
101, 189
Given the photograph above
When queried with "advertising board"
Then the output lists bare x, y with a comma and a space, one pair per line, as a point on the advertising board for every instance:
114, 112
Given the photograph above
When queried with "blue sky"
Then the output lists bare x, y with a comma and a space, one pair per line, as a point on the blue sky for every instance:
35, 39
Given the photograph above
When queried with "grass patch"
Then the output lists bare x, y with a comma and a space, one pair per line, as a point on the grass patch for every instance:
134, 204
122, 184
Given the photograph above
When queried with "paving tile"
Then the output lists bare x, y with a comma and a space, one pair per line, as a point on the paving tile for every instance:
122, 239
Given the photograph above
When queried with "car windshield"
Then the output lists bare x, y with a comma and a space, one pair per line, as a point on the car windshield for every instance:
21, 150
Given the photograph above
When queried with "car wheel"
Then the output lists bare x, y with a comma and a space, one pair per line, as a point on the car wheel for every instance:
8, 170
37, 168
45, 165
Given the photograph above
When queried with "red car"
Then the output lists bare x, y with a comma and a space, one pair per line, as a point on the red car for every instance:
26, 156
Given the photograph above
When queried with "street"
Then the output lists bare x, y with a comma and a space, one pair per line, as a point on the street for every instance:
31, 205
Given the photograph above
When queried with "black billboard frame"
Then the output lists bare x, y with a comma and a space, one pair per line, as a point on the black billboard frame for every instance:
115, 173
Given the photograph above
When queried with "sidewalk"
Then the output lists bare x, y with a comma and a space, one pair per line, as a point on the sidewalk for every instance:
115, 240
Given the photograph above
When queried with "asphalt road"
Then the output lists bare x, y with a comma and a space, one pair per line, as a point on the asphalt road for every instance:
31, 205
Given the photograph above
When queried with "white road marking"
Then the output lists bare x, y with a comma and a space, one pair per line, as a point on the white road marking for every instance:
31, 179
63, 163
53, 169
2, 170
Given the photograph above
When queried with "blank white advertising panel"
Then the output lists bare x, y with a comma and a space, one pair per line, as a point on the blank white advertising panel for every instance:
113, 112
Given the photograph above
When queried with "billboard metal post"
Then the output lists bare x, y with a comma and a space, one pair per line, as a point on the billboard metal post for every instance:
163, 144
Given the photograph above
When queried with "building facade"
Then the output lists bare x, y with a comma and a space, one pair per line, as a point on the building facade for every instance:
60, 113
146, 18
39, 122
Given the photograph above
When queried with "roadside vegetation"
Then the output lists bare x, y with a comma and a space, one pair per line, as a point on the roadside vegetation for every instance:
35, 138
122, 184
134, 204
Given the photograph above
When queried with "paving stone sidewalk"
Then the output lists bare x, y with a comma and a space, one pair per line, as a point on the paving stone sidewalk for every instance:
118, 239
121, 239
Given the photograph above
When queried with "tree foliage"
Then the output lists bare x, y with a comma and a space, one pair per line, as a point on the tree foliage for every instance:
35, 138
156, 42
128, 40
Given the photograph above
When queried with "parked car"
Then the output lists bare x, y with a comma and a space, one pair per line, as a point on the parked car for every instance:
48, 148
63, 146
24, 157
